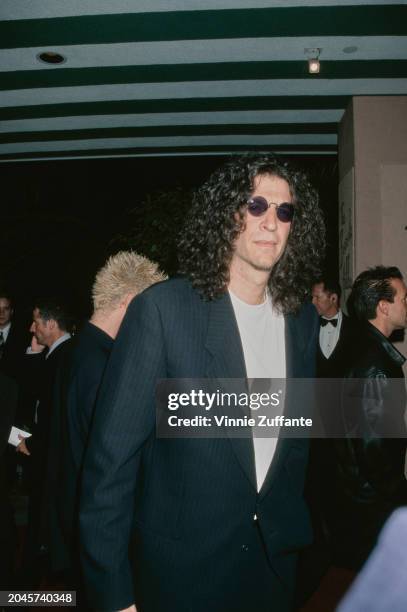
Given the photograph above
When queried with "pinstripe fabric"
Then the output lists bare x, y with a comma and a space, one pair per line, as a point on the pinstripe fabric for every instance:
187, 505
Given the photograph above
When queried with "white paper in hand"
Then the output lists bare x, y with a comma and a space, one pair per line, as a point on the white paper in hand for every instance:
13, 437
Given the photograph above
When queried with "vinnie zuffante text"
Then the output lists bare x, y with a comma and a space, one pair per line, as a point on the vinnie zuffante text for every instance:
218, 400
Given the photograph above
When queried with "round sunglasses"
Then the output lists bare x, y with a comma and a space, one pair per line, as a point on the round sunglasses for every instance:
258, 205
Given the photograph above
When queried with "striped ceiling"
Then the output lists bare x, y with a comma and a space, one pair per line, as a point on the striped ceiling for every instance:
172, 77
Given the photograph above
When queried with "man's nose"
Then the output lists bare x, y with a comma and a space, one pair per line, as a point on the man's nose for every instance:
32, 327
269, 221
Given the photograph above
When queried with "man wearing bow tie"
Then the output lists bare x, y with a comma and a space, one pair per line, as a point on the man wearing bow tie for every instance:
333, 355
13, 340
335, 330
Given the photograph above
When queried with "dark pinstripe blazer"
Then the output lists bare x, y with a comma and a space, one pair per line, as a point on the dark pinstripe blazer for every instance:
187, 505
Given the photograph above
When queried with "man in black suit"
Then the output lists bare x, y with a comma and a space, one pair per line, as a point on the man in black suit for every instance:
51, 338
196, 524
123, 276
370, 480
8, 402
335, 334
12, 342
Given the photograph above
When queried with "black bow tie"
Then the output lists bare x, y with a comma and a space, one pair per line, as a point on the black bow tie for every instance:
324, 322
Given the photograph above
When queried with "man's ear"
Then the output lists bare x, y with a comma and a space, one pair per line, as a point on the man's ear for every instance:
334, 298
382, 308
51, 324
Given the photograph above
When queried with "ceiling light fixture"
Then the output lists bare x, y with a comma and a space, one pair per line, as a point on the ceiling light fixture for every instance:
314, 66
50, 57
313, 60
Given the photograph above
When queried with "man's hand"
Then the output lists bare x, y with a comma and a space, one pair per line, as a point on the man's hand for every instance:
36, 347
22, 447
130, 609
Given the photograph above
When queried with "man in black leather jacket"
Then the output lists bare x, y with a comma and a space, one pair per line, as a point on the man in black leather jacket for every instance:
370, 481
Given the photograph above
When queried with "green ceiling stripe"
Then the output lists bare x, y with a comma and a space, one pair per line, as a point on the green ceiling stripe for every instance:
188, 25
174, 130
165, 150
222, 71
173, 106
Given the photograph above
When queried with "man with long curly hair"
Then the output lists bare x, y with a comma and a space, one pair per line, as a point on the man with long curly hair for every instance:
215, 524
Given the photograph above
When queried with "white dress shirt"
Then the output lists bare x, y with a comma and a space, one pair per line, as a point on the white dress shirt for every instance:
329, 335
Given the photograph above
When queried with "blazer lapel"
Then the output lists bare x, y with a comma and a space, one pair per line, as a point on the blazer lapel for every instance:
223, 341
227, 361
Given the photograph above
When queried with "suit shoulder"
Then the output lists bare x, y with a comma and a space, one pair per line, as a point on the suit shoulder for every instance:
61, 350
66, 347
308, 314
175, 293
170, 287
369, 359
87, 353
308, 309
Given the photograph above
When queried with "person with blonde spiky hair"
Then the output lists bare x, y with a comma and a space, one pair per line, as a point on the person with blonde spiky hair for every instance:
124, 275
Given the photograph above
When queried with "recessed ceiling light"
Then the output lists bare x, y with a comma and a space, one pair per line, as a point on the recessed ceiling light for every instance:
50, 57
350, 49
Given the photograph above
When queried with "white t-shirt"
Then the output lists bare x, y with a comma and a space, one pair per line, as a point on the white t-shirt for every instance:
261, 331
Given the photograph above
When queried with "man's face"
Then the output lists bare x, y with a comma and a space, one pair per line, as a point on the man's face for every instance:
326, 303
397, 310
262, 242
41, 329
6, 312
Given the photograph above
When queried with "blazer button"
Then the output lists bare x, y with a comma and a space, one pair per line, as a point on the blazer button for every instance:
244, 548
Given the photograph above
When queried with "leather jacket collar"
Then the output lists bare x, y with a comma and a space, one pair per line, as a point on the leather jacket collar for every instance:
390, 349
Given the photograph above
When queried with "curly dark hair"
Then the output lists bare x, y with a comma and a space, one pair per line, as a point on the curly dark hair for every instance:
207, 242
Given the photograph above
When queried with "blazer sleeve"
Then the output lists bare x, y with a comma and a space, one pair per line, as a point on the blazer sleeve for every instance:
124, 419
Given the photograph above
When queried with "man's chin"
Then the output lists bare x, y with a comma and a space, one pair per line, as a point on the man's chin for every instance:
260, 264
263, 268
264, 265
